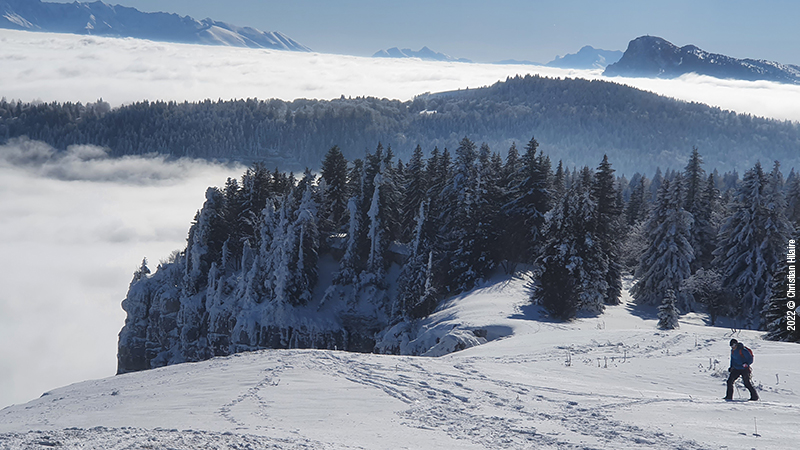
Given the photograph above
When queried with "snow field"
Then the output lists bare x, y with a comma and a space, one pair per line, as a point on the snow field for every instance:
609, 382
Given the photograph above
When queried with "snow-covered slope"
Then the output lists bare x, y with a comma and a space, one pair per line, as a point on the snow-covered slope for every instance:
99, 18
609, 382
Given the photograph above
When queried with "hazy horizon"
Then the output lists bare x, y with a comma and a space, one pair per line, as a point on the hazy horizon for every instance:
509, 29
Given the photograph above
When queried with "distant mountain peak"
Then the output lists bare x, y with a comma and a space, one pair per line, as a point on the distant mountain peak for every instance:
102, 19
424, 53
587, 57
652, 56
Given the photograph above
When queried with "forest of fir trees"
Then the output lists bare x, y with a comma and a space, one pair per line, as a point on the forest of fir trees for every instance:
692, 241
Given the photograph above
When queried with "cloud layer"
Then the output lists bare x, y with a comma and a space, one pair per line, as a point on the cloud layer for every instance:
73, 228
55, 67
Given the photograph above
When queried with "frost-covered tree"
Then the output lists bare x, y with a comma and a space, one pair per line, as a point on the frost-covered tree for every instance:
415, 191
414, 299
530, 199
573, 267
751, 242
206, 238
666, 262
335, 195
637, 209
457, 240
375, 270
668, 312
308, 247
609, 227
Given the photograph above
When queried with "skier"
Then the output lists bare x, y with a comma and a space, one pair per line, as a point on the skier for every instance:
741, 358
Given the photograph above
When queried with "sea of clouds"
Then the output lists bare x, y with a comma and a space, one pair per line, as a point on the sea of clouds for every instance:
73, 228
61, 67
75, 225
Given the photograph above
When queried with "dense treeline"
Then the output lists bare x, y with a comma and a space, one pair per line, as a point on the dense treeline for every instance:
248, 277
577, 121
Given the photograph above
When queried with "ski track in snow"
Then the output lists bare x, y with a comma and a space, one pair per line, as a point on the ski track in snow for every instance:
500, 414
576, 386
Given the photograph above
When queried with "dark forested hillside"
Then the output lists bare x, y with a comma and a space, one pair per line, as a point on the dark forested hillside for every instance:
354, 259
575, 120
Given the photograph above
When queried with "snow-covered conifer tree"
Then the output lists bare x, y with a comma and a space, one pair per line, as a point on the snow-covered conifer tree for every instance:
415, 186
308, 247
609, 227
415, 274
334, 197
573, 267
375, 270
666, 262
456, 221
529, 200
668, 312
752, 241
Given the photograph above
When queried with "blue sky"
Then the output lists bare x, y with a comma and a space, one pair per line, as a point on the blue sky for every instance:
510, 29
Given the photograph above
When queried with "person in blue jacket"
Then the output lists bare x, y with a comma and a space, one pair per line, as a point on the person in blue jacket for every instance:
741, 358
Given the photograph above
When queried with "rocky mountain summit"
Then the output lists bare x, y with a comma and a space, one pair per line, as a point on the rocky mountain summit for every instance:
587, 57
650, 56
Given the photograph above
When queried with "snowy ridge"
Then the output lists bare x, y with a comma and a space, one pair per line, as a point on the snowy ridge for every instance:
607, 382
650, 56
98, 18
424, 53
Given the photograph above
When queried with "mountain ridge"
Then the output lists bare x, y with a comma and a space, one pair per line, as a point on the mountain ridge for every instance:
652, 56
587, 57
103, 19
424, 53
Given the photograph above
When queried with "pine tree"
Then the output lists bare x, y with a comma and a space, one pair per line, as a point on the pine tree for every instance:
415, 190
609, 227
488, 197
529, 202
307, 233
573, 267
739, 254
375, 271
335, 196
415, 277
557, 290
206, 238
666, 262
668, 312
697, 201
636, 211
456, 215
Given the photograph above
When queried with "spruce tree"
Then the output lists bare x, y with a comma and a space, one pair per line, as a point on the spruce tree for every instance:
457, 235
307, 232
668, 312
415, 192
573, 267
666, 262
415, 277
335, 196
637, 210
529, 201
609, 227
739, 255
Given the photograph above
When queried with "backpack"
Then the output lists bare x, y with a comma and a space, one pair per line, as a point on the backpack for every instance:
748, 356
